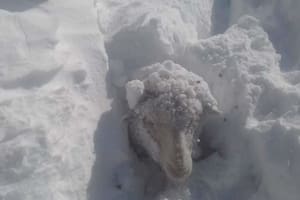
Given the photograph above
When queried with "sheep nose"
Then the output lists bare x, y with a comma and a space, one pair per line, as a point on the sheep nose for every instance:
178, 172
179, 163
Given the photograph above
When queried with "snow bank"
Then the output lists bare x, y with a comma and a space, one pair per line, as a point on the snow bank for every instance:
243, 71
142, 33
23, 60
195, 16
52, 93
233, 63
153, 37
281, 21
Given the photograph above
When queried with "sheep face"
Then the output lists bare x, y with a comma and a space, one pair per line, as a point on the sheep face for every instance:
171, 125
169, 104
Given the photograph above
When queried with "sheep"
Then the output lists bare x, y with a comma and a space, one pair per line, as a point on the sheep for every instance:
167, 106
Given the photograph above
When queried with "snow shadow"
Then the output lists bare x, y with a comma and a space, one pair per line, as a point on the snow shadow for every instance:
280, 19
113, 176
96, 188
285, 42
220, 16
111, 150
19, 6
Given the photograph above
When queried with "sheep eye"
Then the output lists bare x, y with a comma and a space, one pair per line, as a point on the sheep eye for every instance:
189, 127
190, 124
148, 122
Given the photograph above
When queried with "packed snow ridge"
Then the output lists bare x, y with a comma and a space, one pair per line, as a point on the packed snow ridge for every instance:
64, 67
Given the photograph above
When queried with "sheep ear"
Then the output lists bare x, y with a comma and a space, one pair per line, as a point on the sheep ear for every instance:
134, 91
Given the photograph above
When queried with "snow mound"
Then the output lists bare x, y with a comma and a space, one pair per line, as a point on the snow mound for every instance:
31, 147
195, 16
280, 19
151, 38
235, 64
242, 70
47, 76
23, 60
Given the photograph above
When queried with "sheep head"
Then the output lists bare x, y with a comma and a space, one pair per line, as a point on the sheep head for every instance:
171, 107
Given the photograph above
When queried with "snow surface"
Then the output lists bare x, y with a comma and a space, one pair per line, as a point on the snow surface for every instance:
63, 70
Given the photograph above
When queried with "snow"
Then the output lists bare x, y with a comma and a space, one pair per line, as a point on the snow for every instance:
63, 70
280, 20
52, 94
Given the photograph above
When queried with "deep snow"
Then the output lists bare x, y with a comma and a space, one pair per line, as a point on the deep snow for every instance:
63, 70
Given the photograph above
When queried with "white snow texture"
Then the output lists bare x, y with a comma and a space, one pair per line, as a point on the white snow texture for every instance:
64, 66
